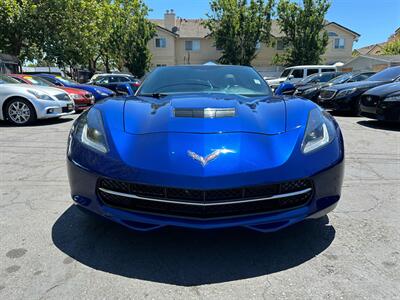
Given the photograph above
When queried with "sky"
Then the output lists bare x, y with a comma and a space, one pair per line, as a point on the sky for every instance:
374, 20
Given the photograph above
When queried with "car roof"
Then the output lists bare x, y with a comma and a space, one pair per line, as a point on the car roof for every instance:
312, 67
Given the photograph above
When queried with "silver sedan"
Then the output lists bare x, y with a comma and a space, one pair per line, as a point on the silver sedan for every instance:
23, 104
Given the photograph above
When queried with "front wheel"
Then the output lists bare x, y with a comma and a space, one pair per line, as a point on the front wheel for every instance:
20, 112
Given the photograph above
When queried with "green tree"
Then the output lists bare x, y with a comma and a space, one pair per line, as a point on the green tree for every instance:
303, 26
131, 32
392, 48
238, 26
18, 27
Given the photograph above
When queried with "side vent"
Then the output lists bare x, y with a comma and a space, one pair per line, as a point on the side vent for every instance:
205, 113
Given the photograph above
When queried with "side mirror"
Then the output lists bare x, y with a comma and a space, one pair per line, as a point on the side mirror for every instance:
123, 89
290, 77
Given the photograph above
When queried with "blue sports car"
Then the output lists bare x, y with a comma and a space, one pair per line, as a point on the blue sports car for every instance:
98, 92
206, 147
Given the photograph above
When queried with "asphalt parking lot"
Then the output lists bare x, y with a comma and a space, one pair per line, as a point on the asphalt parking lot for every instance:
49, 249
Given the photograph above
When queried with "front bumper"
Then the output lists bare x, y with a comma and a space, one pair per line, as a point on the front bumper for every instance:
383, 111
327, 190
341, 104
53, 109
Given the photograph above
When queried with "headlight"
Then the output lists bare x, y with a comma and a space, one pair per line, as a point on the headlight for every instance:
75, 96
320, 131
308, 91
90, 131
345, 92
40, 95
395, 98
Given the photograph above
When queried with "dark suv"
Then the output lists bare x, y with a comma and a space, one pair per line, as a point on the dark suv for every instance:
112, 81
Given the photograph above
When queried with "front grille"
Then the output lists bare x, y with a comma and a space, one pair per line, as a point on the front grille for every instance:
63, 97
205, 204
370, 101
327, 94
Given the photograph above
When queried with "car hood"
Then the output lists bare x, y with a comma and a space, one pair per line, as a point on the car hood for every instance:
359, 84
265, 115
52, 91
74, 91
93, 88
385, 90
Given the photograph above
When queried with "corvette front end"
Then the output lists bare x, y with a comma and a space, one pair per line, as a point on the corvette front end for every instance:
206, 161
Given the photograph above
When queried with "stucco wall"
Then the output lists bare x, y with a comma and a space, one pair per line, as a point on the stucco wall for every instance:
163, 55
338, 55
207, 52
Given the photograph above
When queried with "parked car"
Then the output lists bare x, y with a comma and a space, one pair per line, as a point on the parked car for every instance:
112, 81
296, 73
346, 96
382, 102
306, 83
98, 92
23, 104
206, 147
82, 99
312, 92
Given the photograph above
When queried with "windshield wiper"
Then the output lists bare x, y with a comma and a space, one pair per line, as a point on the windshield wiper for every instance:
154, 95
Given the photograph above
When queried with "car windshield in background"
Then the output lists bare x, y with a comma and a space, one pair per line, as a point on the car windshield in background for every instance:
311, 78
389, 74
38, 81
205, 79
5, 79
341, 79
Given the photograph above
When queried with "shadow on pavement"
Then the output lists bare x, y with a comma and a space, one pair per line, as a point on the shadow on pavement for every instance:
390, 126
38, 123
187, 257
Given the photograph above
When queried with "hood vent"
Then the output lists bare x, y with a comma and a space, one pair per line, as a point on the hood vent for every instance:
204, 113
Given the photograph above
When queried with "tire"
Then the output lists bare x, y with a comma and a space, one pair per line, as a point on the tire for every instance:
20, 112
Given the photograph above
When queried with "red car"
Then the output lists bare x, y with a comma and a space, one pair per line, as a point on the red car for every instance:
82, 99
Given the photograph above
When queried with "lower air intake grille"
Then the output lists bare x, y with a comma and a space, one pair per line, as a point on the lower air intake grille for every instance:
205, 204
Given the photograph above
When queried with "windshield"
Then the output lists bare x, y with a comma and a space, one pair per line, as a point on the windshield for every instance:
38, 81
341, 79
205, 79
388, 74
5, 79
311, 78
65, 80
286, 72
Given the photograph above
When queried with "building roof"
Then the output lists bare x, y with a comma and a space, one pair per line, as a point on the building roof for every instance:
383, 58
368, 49
193, 28
8, 58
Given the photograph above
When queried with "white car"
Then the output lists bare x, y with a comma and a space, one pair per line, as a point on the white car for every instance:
22, 104
297, 73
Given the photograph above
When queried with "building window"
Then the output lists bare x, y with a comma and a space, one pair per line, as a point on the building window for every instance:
339, 43
192, 45
280, 44
161, 42
332, 33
